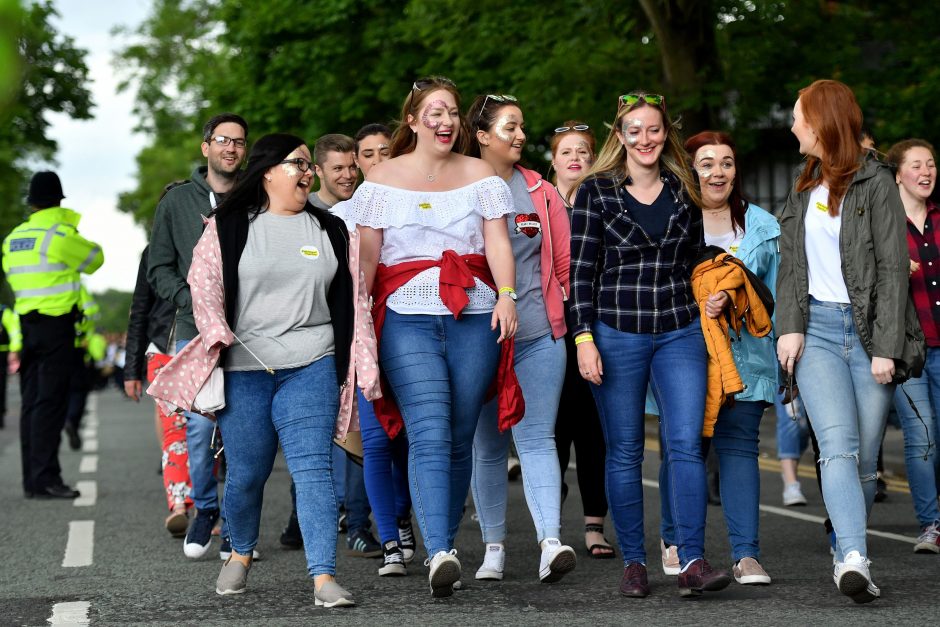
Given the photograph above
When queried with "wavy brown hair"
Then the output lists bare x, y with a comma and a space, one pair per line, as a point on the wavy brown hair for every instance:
833, 113
898, 151
404, 139
736, 201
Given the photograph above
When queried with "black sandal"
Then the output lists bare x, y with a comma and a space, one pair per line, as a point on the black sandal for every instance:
604, 548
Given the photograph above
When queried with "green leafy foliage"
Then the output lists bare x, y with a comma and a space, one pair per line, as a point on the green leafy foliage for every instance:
314, 67
50, 76
115, 308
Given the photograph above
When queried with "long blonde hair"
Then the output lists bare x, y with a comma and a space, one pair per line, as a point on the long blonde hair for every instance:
612, 159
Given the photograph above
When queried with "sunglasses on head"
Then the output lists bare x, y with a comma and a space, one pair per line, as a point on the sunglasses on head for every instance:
651, 99
500, 98
430, 81
576, 127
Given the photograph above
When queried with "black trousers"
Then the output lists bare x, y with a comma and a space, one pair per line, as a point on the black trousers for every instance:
46, 365
81, 384
3, 387
578, 423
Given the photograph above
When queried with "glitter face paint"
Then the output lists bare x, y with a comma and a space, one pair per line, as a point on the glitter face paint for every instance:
433, 107
290, 169
626, 126
500, 127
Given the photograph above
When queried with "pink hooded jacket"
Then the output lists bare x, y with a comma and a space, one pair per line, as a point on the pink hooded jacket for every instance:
178, 383
556, 247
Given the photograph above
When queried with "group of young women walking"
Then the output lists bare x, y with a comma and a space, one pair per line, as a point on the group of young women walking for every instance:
495, 299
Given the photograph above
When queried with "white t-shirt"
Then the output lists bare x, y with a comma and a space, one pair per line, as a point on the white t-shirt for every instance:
421, 225
823, 256
729, 241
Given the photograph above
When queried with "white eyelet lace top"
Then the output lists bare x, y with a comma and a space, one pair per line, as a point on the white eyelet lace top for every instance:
422, 225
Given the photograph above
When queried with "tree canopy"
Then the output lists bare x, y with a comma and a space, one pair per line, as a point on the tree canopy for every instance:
50, 76
333, 65
45, 73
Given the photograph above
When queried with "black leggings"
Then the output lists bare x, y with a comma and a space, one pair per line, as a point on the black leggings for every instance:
579, 424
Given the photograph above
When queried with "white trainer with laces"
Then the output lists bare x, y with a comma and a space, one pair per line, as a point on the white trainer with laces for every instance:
929, 540
793, 495
853, 578
494, 561
445, 571
557, 560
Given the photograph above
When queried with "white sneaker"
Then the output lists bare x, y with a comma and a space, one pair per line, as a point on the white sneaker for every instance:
514, 468
793, 495
445, 571
670, 555
557, 560
929, 540
494, 560
853, 578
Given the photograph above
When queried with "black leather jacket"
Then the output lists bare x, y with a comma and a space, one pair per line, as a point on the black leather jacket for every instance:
151, 320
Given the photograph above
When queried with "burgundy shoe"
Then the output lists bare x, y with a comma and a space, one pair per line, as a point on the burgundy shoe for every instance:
634, 582
700, 577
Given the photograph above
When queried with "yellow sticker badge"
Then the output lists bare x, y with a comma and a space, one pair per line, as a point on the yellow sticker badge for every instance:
310, 252
822, 207
424, 205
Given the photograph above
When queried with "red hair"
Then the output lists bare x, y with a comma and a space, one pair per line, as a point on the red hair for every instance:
736, 201
833, 113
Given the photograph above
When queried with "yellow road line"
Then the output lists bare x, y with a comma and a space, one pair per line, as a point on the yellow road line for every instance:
773, 465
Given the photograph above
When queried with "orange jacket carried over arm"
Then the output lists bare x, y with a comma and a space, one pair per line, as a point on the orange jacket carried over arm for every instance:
725, 273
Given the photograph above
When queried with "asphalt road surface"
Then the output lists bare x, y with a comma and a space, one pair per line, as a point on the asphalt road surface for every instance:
106, 559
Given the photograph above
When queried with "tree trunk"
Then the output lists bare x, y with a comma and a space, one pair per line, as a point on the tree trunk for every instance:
685, 36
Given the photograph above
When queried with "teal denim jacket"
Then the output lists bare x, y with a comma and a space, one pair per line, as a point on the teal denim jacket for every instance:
754, 357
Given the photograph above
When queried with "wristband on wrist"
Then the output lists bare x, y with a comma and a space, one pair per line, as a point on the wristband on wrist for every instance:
507, 290
584, 337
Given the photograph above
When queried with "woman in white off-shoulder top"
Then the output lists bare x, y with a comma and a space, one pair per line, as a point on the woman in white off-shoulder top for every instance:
436, 254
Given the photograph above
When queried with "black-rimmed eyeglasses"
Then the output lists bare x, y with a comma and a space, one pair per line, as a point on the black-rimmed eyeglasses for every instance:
223, 140
302, 164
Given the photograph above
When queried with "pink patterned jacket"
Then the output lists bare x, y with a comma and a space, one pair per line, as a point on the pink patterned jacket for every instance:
178, 383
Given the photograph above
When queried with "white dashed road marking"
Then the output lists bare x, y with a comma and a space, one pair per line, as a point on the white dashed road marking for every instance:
89, 464
89, 490
81, 544
73, 613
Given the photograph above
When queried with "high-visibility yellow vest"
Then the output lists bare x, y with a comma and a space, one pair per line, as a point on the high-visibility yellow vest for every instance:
43, 259
11, 324
90, 312
97, 347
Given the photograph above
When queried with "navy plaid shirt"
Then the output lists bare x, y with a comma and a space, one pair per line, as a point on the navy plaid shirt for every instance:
621, 277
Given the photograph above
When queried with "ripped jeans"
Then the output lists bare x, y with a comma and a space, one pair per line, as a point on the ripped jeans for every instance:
847, 409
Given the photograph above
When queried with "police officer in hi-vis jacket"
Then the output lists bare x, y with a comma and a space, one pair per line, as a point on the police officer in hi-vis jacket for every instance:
43, 259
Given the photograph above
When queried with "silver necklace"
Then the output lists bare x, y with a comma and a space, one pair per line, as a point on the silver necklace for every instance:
431, 178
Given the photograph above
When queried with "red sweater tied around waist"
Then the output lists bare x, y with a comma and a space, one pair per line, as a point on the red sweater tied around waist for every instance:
457, 274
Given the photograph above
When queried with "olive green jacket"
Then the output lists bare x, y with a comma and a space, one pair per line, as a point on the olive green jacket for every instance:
875, 262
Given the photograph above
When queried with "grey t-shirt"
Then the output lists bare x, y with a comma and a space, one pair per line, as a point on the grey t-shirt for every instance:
317, 202
284, 274
525, 234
